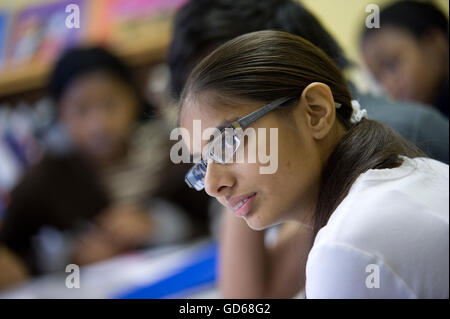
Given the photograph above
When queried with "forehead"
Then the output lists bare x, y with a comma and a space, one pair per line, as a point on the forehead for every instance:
204, 112
213, 112
95, 84
387, 39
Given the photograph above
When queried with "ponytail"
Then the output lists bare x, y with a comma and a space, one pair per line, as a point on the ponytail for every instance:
366, 145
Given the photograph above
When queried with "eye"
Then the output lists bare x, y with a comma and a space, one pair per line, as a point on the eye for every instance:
390, 64
81, 109
232, 144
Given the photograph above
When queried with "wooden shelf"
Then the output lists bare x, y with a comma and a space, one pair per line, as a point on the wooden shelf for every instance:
21, 79
31, 77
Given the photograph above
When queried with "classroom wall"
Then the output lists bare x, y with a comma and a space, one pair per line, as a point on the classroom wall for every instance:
13, 5
342, 18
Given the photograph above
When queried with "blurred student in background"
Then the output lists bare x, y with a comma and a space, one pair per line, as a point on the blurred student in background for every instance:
101, 193
203, 25
408, 54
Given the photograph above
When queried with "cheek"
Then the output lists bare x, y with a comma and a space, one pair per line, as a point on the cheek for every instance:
300, 163
76, 127
249, 176
411, 66
371, 61
298, 171
424, 79
122, 120
296, 149
414, 79
414, 65
296, 178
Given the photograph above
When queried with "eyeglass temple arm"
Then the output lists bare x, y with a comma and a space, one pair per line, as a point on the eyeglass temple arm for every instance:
252, 117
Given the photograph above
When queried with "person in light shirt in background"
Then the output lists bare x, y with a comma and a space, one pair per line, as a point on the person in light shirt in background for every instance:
409, 53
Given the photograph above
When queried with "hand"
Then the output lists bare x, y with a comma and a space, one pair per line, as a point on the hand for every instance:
127, 226
93, 247
12, 270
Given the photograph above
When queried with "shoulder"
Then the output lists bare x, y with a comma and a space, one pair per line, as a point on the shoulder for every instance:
150, 141
423, 125
382, 109
384, 200
151, 130
45, 170
57, 180
393, 219
55, 168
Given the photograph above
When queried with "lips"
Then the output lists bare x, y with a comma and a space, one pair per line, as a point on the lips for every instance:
238, 203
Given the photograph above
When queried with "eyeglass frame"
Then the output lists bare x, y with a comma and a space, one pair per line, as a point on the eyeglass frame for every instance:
241, 123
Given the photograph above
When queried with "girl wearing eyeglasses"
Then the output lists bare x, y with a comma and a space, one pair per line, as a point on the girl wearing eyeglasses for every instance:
372, 209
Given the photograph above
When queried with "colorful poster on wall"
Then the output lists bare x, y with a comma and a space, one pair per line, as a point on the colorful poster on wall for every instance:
39, 33
125, 22
3, 36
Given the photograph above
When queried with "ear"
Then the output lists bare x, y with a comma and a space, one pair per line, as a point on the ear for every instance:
318, 103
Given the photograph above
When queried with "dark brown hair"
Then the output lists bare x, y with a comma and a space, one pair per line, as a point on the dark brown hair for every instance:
267, 65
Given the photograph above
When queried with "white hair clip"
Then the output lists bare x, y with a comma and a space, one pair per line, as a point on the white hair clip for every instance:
357, 114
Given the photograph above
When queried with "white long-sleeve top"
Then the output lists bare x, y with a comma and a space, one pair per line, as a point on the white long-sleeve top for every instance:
388, 238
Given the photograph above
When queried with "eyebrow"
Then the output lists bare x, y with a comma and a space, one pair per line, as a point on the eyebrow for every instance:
227, 123
222, 126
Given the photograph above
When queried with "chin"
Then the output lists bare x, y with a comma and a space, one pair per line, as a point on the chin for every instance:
255, 227
256, 223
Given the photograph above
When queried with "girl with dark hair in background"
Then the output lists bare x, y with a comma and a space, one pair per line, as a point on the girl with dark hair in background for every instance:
408, 54
100, 194
371, 200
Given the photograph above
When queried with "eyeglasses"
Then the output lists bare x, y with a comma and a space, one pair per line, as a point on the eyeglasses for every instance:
224, 146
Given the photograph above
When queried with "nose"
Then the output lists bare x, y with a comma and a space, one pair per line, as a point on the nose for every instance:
393, 85
218, 179
98, 121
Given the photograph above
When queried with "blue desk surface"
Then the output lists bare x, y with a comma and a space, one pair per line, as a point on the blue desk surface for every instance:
197, 271
179, 271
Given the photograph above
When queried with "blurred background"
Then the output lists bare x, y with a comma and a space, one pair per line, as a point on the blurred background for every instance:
137, 201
